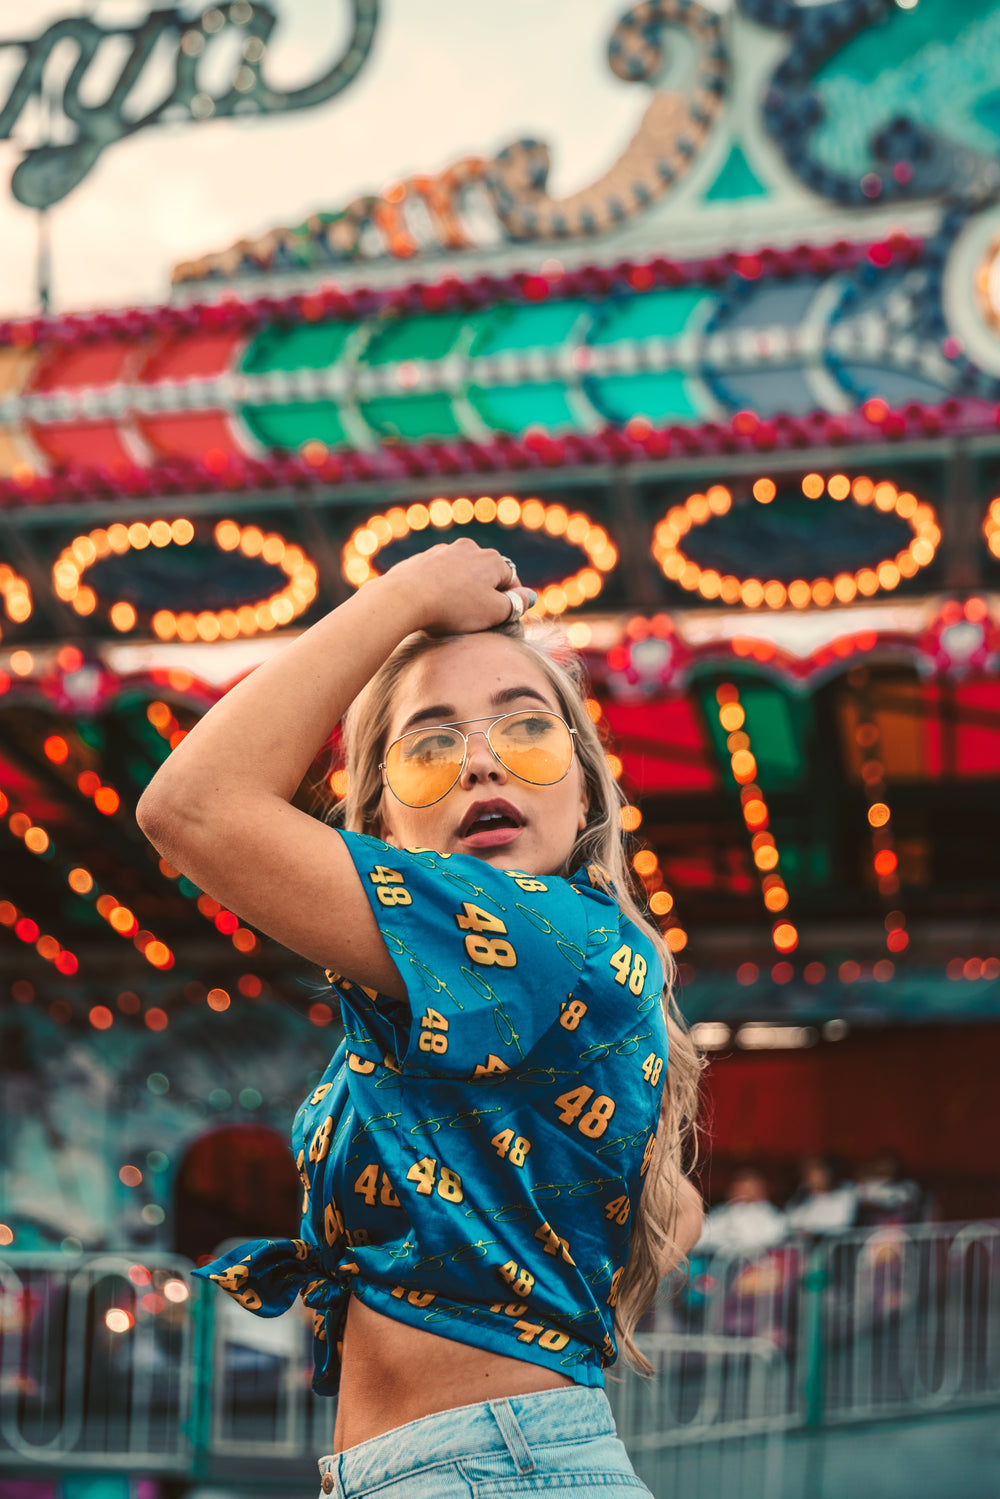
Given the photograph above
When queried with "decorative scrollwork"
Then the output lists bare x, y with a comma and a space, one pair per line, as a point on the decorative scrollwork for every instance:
47, 173
513, 185
841, 105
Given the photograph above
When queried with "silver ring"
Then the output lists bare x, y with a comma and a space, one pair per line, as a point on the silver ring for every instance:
516, 606
513, 568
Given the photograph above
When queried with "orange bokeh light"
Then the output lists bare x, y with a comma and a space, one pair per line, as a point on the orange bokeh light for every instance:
785, 937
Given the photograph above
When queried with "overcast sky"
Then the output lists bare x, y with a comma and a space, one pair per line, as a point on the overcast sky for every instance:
446, 77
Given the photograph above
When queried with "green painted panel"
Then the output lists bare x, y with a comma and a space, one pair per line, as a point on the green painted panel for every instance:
775, 724
736, 180
415, 338
534, 326
513, 408
412, 417
659, 397
310, 346
288, 427
656, 314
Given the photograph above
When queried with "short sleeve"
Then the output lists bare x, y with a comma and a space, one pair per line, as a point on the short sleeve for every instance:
488, 957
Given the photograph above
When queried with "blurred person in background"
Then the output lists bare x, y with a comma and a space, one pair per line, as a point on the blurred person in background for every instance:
507, 1010
885, 1194
747, 1221
823, 1203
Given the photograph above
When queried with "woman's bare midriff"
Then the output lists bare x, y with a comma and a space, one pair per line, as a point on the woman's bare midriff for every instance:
392, 1373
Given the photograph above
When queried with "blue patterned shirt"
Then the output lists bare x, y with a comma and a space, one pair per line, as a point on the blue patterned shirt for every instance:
472, 1157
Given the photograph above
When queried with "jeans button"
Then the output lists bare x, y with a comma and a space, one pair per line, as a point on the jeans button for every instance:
327, 1484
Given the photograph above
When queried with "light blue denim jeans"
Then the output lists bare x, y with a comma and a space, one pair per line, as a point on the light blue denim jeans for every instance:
529, 1444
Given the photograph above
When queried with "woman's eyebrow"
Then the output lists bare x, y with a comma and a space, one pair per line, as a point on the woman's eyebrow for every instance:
437, 713
445, 712
510, 694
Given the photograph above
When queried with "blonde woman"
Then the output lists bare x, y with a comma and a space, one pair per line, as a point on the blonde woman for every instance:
492, 1162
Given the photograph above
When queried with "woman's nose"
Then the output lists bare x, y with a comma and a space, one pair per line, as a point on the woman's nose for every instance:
481, 764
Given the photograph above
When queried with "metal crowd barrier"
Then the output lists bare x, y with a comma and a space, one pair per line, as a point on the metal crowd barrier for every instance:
97, 1362
872, 1323
122, 1362
262, 1402
911, 1320
711, 1420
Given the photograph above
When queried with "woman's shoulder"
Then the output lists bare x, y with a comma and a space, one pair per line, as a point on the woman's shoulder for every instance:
397, 877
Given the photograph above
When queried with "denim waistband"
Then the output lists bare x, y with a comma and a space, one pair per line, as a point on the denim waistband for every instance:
512, 1425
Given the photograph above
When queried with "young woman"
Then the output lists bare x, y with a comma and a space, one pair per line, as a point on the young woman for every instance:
492, 1163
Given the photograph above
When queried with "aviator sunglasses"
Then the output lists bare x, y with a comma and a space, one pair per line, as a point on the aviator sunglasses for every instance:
421, 767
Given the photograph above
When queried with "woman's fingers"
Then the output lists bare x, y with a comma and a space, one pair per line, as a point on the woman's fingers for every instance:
466, 587
528, 597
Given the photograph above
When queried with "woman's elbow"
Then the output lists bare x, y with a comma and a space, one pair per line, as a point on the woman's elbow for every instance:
166, 816
152, 815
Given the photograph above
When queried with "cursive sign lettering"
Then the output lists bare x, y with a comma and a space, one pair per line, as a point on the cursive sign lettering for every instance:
47, 173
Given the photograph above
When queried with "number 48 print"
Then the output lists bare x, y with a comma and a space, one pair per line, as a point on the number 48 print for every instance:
629, 969
484, 950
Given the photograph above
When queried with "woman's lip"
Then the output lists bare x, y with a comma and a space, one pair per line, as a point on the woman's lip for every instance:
491, 837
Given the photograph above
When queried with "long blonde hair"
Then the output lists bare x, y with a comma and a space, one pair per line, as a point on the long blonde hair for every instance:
364, 736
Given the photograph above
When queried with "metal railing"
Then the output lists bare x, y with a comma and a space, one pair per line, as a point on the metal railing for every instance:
98, 1362
911, 1320
263, 1402
123, 1362
710, 1421
871, 1323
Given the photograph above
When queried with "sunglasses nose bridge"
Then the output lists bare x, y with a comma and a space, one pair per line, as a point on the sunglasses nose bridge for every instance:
480, 753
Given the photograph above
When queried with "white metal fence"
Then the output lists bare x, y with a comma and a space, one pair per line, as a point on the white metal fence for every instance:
97, 1362
261, 1376
871, 1323
122, 1362
911, 1320
711, 1420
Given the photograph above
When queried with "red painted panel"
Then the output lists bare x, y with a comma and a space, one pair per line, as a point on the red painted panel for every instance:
88, 445
927, 1092
963, 729
88, 364
193, 354
663, 746
188, 435
27, 795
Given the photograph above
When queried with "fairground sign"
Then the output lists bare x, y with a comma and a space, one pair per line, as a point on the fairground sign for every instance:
48, 172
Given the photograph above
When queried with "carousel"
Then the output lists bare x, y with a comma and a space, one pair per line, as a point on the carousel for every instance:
734, 411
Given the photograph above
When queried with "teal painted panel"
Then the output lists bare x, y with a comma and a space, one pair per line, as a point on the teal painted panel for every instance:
537, 325
415, 338
514, 408
654, 314
288, 427
413, 417
736, 180
310, 346
987, 112
933, 63
660, 398
96, 1486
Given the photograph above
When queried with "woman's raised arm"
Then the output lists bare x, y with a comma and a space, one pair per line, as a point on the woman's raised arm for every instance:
220, 808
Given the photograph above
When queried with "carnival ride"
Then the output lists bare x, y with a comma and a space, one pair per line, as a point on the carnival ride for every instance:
733, 410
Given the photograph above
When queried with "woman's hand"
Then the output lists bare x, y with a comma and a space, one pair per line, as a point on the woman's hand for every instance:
457, 588
219, 808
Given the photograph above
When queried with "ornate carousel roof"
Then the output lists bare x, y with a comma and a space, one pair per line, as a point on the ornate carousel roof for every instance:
734, 411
